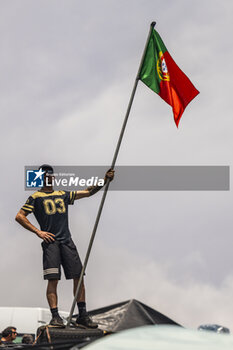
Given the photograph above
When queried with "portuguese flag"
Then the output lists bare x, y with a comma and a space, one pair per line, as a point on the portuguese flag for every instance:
162, 75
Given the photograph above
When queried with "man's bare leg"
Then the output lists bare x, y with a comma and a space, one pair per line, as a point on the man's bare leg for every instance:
83, 318
51, 294
81, 303
81, 296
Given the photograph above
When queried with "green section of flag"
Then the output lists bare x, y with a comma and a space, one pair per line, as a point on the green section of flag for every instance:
149, 74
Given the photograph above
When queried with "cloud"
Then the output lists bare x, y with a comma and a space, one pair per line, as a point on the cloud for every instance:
123, 275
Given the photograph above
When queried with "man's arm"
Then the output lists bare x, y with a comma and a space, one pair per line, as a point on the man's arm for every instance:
22, 219
94, 189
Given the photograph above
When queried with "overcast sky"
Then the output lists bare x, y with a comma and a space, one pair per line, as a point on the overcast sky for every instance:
67, 68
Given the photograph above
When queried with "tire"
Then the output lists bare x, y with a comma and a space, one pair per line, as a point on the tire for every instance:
67, 334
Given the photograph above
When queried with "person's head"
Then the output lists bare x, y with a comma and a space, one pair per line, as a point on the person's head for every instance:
27, 339
9, 333
48, 175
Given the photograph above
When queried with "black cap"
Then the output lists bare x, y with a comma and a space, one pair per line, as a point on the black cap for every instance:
47, 168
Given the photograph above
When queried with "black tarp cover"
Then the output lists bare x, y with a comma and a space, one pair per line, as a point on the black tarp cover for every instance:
128, 314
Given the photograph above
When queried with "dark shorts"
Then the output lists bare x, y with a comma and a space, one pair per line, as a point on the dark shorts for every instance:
56, 254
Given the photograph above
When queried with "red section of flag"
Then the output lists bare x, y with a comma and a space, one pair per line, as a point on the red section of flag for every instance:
178, 91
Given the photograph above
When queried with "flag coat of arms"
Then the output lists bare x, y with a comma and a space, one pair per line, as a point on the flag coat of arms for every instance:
161, 74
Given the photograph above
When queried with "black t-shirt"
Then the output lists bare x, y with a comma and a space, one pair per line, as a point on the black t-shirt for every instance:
51, 211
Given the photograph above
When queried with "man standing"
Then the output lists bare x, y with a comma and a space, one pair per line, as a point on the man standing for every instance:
9, 334
51, 211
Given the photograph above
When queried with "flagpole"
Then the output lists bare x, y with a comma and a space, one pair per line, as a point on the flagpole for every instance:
108, 181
